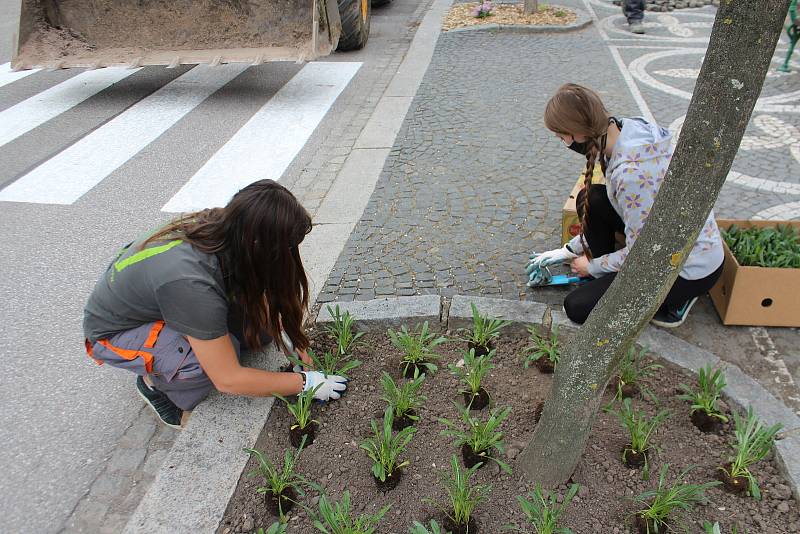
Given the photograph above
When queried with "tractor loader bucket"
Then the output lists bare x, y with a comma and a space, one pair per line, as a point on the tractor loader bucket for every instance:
102, 33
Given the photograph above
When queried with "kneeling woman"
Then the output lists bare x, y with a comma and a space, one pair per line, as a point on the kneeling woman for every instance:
176, 306
634, 156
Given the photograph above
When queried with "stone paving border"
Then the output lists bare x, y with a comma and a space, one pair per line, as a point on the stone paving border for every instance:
206, 459
742, 390
583, 19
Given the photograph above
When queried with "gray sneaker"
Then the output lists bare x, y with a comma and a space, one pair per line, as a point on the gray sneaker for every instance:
637, 27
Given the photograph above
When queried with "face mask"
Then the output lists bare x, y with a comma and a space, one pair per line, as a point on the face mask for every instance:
580, 148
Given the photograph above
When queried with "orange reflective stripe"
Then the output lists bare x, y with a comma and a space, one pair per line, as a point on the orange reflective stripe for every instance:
151, 339
130, 354
90, 351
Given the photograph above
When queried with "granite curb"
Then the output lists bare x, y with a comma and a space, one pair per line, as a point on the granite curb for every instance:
742, 390
583, 20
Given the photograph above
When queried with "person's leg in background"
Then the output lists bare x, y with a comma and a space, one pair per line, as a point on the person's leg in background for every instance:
634, 12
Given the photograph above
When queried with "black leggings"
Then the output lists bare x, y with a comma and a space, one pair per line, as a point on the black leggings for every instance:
604, 222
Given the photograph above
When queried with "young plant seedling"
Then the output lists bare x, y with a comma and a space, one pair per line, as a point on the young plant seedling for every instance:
463, 497
337, 518
710, 528
632, 372
330, 363
543, 511
706, 414
384, 449
274, 528
431, 528
753, 442
404, 400
418, 349
485, 330
544, 351
659, 505
640, 428
304, 426
480, 439
471, 374
342, 331
764, 247
282, 485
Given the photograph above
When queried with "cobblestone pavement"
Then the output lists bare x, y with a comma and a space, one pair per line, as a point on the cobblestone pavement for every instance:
475, 182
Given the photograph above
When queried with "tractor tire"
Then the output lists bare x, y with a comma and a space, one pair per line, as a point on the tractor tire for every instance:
355, 15
381, 3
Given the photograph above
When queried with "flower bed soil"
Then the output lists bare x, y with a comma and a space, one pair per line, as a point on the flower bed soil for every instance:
461, 16
603, 504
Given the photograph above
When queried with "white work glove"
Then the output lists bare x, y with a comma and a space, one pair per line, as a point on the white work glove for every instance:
539, 261
331, 386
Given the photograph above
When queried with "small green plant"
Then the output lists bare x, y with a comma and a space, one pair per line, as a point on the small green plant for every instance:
543, 511
301, 408
330, 363
660, 503
385, 448
753, 442
707, 397
633, 371
711, 528
640, 428
280, 482
404, 400
342, 331
418, 347
764, 247
485, 329
482, 437
463, 496
560, 13
336, 518
432, 528
543, 346
473, 371
275, 528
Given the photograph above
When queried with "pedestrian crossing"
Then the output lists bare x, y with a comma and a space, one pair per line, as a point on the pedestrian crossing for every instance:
262, 148
8, 76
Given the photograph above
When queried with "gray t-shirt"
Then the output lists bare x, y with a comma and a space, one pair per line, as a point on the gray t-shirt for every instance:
169, 280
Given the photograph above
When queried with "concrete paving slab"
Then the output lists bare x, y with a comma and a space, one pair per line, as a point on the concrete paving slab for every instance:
379, 314
209, 449
676, 350
385, 123
521, 312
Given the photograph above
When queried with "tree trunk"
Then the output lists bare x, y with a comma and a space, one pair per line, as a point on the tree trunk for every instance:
739, 54
531, 6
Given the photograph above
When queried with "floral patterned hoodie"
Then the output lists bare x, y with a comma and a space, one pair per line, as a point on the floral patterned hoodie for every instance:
634, 175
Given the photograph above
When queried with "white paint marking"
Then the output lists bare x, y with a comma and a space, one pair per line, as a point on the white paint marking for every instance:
637, 95
38, 109
266, 145
8, 76
766, 347
64, 178
781, 212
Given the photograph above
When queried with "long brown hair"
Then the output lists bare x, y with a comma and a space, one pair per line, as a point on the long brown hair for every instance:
577, 110
256, 237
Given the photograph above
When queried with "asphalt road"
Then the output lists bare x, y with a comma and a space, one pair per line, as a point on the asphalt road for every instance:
79, 177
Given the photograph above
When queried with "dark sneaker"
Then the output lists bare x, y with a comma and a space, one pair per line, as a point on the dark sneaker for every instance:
637, 27
165, 409
673, 317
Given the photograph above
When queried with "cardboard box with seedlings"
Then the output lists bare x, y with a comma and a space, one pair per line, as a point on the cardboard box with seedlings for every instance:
757, 296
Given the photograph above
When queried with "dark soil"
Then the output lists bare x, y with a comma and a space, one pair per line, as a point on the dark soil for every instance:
629, 391
400, 423
545, 365
473, 458
478, 401
288, 498
480, 350
634, 459
296, 435
603, 504
409, 370
391, 481
732, 484
705, 422
456, 528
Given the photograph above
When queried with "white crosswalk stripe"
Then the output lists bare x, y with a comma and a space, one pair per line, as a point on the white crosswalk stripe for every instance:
266, 145
66, 177
8, 76
38, 109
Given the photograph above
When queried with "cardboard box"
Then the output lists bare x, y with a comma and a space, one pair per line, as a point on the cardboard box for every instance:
570, 226
756, 296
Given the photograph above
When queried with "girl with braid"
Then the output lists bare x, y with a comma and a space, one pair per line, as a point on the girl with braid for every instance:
634, 156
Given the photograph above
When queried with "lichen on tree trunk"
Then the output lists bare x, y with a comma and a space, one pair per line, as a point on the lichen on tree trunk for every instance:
742, 43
